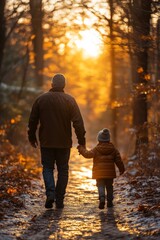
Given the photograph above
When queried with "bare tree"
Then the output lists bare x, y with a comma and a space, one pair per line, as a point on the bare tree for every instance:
141, 15
2, 31
158, 51
36, 21
113, 69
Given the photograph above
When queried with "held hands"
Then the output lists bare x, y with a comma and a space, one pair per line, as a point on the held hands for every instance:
81, 148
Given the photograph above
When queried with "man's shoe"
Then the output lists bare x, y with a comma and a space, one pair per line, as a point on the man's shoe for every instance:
49, 202
101, 203
109, 204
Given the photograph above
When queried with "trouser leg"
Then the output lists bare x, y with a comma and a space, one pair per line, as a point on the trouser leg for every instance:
62, 159
101, 187
101, 191
109, 188
48, 160
49, 181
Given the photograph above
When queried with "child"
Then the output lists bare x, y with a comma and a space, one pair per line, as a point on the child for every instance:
105, 156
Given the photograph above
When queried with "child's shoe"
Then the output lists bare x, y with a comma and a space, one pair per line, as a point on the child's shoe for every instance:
101, 202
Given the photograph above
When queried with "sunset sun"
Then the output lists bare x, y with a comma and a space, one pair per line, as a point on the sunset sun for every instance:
89, 42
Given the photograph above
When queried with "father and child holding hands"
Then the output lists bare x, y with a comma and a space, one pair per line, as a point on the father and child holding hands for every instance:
54, 113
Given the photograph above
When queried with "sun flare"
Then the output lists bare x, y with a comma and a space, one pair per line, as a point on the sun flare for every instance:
89, 42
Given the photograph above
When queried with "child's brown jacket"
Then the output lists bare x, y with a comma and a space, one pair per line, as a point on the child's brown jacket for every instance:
105, 156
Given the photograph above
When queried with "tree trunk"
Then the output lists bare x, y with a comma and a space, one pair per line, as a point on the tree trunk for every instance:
2, 32
158, 52
141, 14
36, 21
113, 76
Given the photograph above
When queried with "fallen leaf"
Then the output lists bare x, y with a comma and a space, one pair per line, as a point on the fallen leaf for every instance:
33, 218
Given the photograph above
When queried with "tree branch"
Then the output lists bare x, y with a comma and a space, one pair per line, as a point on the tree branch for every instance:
13, 26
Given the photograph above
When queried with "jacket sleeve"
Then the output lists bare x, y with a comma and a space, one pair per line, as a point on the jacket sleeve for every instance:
33, 122
118, 162
78, 124
86, 153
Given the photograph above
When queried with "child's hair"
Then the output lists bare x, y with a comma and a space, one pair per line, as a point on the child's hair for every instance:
104, 135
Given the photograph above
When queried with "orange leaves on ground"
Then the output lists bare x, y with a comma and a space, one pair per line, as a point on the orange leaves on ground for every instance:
21, 159
16, 170
33, 218
11, 191
137, 195
146, 208
16, 119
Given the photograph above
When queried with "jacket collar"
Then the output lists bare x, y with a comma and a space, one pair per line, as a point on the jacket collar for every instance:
56, 90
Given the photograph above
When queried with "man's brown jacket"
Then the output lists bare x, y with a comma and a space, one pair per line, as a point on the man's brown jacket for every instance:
55, 112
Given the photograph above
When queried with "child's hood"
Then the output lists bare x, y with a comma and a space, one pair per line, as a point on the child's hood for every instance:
105, 148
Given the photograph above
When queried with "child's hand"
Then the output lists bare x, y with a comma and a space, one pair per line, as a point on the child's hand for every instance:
81, 146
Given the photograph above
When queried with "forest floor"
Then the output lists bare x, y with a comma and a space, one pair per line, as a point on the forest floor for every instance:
135, 215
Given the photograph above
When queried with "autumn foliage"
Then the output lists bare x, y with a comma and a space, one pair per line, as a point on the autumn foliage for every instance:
16, 170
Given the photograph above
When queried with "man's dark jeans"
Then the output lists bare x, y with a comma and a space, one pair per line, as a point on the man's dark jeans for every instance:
108, 184
59, 157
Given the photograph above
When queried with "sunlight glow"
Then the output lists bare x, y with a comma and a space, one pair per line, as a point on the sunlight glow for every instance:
89, 42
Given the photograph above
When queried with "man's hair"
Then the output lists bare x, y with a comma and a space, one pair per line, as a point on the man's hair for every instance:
58, 81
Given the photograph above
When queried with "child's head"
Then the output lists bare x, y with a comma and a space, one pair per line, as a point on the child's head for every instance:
104, 135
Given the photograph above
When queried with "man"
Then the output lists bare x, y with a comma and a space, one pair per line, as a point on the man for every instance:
54, 112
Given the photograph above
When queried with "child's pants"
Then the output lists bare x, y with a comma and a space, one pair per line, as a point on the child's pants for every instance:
108, 184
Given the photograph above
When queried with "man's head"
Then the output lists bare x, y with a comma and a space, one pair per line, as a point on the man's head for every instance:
58, 81
104, 135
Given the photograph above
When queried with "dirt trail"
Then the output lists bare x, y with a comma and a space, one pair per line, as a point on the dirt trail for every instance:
80, 218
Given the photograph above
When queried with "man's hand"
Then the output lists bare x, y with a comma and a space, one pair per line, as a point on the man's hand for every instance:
81, 148
34, 143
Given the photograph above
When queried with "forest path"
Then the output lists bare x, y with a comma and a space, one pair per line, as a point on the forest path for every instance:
80, 218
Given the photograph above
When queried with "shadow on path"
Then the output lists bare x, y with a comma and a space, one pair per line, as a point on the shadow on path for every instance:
44, 226
109, 228
51, 224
